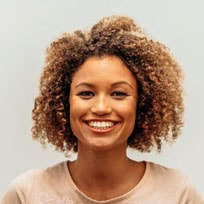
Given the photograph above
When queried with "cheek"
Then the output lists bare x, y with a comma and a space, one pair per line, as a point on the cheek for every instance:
78, 109
74, 120
73, 113
128, 109
129, 113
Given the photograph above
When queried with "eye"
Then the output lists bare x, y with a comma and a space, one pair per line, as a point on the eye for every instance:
86, 94
119, 94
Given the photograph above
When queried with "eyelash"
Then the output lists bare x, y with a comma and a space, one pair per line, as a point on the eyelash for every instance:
86, 94
119, 94
90, 94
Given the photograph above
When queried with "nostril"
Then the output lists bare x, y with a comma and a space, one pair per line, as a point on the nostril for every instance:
101, 111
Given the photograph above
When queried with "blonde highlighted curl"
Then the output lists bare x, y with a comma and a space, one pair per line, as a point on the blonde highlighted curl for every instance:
160, 102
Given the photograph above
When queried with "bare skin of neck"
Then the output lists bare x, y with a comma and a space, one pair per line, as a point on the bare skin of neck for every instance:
103, 175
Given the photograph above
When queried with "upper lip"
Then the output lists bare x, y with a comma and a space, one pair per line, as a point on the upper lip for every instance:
102, 120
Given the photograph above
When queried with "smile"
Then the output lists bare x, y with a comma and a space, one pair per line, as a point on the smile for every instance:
102, 125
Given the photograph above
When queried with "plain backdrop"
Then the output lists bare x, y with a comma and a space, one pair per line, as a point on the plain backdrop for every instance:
27, 28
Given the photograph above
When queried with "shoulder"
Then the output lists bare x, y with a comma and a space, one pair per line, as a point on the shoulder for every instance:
165, 172
25, 179
32, 181
19, 187
174, 182
42, 175
34, 175
190, 194
164, 178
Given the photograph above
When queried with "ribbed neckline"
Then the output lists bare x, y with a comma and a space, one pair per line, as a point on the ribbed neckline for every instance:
133, 191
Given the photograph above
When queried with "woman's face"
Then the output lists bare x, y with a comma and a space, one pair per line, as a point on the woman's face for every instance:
103, 98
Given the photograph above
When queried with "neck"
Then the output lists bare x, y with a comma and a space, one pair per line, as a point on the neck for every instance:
105, 174
100, 166
103, 161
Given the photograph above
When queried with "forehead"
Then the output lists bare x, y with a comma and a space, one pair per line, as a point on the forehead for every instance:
106, 67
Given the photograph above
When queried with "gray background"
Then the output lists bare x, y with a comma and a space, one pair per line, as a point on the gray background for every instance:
27, 27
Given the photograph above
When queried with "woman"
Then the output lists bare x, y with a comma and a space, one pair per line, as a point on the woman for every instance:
102, 91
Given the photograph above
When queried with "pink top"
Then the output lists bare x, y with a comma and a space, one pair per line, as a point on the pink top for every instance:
54, 185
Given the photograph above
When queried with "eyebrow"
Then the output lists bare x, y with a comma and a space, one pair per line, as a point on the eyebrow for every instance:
113, 84
84, 84
122, 82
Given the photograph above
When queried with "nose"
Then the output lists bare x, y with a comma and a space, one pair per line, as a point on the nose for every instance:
101, 106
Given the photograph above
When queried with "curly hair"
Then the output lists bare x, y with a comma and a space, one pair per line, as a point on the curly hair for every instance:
160, 108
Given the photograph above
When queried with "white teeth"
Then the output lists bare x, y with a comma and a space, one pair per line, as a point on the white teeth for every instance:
101, 124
